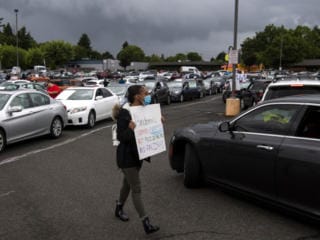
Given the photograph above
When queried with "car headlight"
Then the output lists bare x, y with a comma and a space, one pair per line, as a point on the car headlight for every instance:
78, 109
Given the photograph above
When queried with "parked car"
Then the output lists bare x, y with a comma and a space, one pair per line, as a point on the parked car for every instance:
32, 85
95, 83
219, 82
121, 90
86, 105
182, 90
159, 91
270, 152
283, 88
227, 92
251, 95
210, 86
27, 114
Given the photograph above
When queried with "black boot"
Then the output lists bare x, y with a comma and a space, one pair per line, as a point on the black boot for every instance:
148, 228
120, 213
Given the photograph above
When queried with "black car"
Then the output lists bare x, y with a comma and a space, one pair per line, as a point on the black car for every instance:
159, 90
182, 90
270, 152
251, 95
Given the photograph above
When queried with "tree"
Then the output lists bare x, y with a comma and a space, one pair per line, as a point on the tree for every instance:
35, 56
125, 44
221, 57
155, 58
85, 42
8, 56
130, 54
6, 36
194, 56
25, 39
57, 53
107, 55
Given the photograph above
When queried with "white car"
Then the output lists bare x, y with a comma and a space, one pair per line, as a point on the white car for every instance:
86, 105
283, 88
95, 83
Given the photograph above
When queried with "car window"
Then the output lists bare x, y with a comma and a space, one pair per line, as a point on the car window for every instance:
310, 124
39, 99
3, 100
272, 119
106, 92
283, 91
21, 100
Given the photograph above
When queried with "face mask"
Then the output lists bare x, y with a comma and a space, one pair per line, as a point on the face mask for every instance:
147, 100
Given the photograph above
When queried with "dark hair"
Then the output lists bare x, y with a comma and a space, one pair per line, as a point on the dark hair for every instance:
132, 91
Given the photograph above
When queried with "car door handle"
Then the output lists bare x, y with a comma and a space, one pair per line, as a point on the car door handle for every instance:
265, 147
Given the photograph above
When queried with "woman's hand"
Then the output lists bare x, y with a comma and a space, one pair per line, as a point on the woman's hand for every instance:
132, 125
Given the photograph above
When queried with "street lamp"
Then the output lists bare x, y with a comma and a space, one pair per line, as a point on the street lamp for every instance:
281, 48
17, 39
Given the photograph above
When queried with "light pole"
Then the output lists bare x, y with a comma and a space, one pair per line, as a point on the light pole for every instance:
281, 47
235, 36
17, 39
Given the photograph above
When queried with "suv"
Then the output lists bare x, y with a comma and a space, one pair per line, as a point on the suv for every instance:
291, 87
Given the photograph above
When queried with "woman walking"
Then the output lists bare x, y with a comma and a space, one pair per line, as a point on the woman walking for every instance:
128, 158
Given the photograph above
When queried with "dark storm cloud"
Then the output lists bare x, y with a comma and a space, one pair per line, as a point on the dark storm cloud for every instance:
167, 26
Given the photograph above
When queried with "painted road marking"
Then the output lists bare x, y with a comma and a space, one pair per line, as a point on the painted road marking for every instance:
17, 158
6, 194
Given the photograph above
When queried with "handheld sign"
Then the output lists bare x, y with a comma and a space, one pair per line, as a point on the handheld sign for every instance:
148, 132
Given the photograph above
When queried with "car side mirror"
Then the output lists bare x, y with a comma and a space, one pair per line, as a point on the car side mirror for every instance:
99, 97
224, 127
15, 109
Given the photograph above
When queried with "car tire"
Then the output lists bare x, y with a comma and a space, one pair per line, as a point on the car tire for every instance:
3, 140
181, 99
56, 127
192, 169
91, 120
168, 100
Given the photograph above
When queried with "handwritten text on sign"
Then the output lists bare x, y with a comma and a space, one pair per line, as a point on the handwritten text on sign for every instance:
149, 130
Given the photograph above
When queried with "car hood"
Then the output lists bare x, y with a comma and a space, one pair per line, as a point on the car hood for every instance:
198, 131
74, 103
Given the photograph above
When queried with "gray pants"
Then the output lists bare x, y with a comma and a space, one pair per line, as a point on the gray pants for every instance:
131, 181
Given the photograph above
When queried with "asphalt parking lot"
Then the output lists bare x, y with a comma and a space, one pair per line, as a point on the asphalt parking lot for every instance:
67, 188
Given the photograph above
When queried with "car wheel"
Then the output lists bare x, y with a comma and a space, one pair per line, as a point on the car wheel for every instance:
2, 140
56, 127
168, 100
91, 120
181, 98
192, 169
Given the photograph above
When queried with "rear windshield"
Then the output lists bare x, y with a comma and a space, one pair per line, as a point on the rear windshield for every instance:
284, 91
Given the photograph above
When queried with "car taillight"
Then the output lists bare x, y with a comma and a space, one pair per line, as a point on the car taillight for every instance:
296, 85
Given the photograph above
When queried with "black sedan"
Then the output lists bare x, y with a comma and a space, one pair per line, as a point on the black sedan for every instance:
182, 90
270, 152
158, 90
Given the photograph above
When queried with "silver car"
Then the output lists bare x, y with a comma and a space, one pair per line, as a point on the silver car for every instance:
29, 113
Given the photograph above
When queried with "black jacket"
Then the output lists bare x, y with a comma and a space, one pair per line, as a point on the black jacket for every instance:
127, 151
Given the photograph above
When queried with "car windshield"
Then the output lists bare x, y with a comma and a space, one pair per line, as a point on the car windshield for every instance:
192, 84
76, 94
174, 84
283, 91
149, 85
119, 90
3, 100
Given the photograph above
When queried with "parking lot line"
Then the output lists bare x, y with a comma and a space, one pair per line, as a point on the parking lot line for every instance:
17, 158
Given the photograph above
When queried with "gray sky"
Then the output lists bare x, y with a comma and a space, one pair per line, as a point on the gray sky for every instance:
157, 26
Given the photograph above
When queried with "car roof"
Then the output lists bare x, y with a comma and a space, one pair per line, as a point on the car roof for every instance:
22, 90
303, 98
75, 88
296, 81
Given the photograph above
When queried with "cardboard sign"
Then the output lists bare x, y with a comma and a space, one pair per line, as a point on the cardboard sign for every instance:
148, 132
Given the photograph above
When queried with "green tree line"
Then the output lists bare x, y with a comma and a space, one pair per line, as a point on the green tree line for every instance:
273, 43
